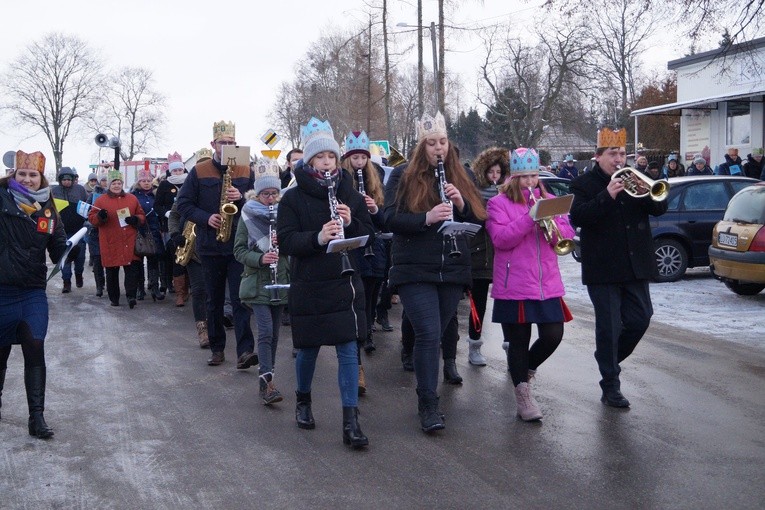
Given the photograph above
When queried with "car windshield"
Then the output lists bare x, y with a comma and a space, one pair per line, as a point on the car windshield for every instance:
747, 206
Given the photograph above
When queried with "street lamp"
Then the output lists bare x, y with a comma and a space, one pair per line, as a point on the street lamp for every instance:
432, 28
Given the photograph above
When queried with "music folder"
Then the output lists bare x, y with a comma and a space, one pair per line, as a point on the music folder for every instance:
338, 245
456, 227
549, 207
236, 155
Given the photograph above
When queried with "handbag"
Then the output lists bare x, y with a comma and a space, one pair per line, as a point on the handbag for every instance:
144, 244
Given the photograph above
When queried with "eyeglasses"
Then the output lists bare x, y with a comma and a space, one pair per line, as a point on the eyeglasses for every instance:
225, 142
269, 194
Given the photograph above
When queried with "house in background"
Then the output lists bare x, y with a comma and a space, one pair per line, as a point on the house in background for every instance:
719, 102
559, 142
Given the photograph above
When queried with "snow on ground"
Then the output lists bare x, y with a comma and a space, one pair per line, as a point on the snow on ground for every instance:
697, 302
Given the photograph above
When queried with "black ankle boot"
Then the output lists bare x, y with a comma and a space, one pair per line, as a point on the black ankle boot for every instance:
34, 380
369, 344
303, 414
427, 408
451, 375
352, 433
2, 382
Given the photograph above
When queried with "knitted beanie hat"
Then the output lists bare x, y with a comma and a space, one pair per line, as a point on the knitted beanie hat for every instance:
318, 137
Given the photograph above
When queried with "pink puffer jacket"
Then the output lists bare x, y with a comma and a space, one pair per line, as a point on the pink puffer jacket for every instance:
525, 264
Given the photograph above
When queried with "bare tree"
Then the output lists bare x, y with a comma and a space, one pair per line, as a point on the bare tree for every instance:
52, 85
134, 110
526, 86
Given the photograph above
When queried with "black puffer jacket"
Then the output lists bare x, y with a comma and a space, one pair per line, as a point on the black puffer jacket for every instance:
421, 253
325, 307
616, 237
22, 245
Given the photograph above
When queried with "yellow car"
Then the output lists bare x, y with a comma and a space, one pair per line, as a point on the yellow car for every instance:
737, 253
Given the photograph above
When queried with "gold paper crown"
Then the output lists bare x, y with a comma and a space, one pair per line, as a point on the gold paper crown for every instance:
608, 137
428, 125
31, 161
204, 153
224, 128
266, 167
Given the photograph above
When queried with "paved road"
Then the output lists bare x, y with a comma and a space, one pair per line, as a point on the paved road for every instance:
142, 422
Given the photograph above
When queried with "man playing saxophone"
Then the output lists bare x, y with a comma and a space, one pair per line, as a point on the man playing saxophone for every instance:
617, 258
202, 199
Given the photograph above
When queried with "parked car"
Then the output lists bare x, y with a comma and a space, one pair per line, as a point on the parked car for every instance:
737, 254
683, 234
558, 186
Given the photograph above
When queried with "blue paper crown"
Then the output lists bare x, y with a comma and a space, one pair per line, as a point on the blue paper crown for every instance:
523, 160
357, 141
316, 127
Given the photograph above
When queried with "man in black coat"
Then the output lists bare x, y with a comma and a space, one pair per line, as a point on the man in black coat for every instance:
617, 259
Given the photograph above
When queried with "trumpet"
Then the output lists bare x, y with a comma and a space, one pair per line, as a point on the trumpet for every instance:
273, 246
639, 185
550, 230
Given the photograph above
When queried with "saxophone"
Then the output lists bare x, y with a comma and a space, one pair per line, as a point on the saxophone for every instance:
227, 209
183, 253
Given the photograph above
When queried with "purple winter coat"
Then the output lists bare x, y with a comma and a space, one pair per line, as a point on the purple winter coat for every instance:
525, 264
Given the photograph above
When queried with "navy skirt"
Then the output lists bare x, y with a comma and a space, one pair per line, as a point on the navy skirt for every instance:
530, 311
19, 305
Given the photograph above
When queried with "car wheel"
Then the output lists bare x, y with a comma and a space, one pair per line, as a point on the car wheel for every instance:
671, 260
745, 289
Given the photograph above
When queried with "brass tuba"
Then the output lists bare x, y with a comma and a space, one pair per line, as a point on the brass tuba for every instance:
395, 158
227, 210
183, 253
638, 185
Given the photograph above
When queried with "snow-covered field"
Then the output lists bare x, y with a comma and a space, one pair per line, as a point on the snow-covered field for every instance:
697, 302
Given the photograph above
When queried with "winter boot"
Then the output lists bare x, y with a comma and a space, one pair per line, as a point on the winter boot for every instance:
156, 294
268, 391
382, 320
369, 344
528, 409
451, 376
427, 408
352, 434
34, 380
204, 341
362, 380
2, 383
78, 280
67, 287
179, 283
140, 293
474, 353
303, 414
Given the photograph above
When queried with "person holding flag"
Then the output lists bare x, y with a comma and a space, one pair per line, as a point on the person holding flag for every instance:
67, 194
29, 225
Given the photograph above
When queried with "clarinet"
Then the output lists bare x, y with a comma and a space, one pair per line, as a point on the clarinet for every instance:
347, 268
441, 176
273, 247
369, 252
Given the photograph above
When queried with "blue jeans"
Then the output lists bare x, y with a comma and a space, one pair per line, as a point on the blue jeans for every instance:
430, 307
220, 270
79, 262
622, 314
347, 371
267, 319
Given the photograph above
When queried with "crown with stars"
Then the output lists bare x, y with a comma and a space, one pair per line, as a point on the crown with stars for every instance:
356, 142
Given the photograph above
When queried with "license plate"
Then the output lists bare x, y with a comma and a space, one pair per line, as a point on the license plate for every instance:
725, 239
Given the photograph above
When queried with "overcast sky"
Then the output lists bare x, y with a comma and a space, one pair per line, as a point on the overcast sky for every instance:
221, 60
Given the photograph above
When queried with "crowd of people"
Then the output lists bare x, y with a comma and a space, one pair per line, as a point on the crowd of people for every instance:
324, 245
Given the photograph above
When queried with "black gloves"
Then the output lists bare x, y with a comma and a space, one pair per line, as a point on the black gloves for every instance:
132, 221
102, 215
177, 238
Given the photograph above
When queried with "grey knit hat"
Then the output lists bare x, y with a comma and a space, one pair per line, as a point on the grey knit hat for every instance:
266, 172
318, 137
266, 182
698, 158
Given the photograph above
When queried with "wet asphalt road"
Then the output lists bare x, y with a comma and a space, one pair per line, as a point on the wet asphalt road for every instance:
142, 422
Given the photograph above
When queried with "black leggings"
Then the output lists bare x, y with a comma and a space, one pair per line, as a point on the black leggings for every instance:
520, 358
33, 350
